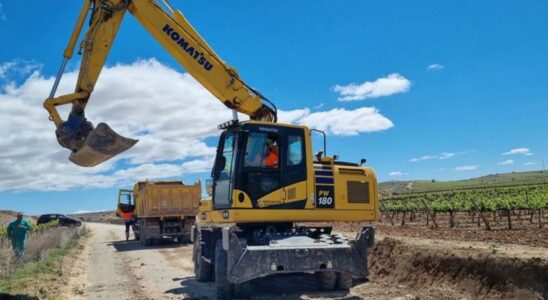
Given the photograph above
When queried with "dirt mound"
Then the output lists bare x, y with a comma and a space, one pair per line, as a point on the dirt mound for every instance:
531, 236
474, 274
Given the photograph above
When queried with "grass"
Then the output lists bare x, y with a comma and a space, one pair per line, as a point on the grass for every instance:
37, 278
493, 180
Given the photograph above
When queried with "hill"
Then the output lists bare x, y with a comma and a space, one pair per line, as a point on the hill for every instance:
99, 217
6, 216
504, 179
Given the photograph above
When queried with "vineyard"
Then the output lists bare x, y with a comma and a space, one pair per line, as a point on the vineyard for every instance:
34, 228
478, 206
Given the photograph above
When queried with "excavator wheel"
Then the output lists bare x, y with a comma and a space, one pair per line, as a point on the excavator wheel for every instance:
326, 280
202, 269
344, 281
223, 287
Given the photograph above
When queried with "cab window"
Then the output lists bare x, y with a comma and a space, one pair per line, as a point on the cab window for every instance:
295, 150
262, 151
261, 172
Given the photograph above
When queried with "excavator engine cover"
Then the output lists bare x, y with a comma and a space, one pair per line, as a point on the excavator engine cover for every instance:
101, 144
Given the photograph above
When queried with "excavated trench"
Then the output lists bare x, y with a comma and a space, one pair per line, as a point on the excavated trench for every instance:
472, 273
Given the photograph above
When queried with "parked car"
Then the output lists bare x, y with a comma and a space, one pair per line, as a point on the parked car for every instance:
63, 220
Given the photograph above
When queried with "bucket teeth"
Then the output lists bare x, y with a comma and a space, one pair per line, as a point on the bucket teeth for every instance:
101, 144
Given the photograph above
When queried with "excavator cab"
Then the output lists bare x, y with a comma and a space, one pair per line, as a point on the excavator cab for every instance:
126, 204
254, 164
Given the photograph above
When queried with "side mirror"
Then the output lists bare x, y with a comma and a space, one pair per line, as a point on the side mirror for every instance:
219, 166
319, 156
362, 161
335, 157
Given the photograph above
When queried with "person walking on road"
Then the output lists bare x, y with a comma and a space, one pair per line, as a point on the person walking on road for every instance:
17, 233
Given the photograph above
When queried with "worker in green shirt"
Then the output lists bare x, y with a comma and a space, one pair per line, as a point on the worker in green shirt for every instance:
17, 233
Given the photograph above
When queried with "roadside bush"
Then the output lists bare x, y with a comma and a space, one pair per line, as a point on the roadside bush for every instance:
40, 241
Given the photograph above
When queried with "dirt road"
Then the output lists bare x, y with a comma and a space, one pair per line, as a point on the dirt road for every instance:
111, 268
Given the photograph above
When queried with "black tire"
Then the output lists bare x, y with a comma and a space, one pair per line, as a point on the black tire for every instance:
202, 269
242, 290
223, 287
326, 280
136, 236
344, 281
143, 235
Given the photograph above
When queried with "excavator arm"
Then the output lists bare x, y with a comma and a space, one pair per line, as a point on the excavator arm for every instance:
91, 146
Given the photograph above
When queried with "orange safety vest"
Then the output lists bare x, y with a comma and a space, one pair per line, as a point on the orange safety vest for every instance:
272, 159
126, 215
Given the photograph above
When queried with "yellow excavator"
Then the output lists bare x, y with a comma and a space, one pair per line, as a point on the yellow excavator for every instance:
267, 185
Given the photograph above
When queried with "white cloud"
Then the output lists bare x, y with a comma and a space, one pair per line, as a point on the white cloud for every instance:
397, 173
2, 14
524, 151
169, 112
385, 86
17, 67
529, 163
506, 162
443, 155
340, 121
435, 67
319, 106
424, 157
466, 168
446, 155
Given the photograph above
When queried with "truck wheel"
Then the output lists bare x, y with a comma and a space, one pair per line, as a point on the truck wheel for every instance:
143, 233
326, 280
202, 269
242, 290
344, 281
142, 238
223, 287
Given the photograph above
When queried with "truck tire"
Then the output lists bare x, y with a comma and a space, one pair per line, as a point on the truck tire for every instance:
223, 287
326, 280
145, 240
344, 281
142, 237
202, 269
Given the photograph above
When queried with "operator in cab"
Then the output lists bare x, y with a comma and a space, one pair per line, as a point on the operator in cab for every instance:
271, 160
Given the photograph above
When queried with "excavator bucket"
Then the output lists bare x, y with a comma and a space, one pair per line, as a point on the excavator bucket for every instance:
101, 144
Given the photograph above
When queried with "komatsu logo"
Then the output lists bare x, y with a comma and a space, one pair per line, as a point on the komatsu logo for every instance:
194, 53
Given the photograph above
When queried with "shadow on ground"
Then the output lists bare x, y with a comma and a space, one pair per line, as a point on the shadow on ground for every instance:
133, 245
287, 286
16, 297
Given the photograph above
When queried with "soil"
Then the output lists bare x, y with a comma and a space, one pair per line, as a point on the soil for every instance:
401, 267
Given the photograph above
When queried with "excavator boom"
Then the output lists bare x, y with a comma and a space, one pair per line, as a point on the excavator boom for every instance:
91, 146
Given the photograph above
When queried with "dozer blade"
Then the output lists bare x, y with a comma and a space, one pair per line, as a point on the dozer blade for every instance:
101, 144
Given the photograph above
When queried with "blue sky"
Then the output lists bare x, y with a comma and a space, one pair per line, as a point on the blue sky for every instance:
470, 86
